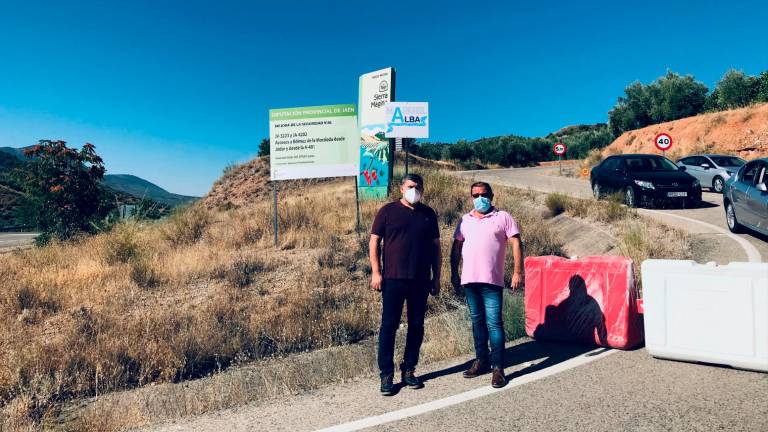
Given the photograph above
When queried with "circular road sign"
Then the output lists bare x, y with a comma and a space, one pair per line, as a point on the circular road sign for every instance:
584, 172
663, 141
559, 149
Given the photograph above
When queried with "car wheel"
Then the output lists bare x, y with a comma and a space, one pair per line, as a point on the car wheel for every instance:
717, 184
629, 197
596, 190
730, 219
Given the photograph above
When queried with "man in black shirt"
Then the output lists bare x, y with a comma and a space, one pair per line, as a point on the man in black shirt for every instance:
411, 271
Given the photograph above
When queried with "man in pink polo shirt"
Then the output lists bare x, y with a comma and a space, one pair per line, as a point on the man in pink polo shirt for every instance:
480, 242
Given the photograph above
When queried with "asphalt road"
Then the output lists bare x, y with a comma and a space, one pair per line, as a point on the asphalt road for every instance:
618, 391
16, 240
721, 245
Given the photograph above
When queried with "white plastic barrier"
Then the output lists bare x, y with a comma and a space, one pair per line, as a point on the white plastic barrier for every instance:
707, 313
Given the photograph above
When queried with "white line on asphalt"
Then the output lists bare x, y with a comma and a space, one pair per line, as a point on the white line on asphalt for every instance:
468, 395
753, 255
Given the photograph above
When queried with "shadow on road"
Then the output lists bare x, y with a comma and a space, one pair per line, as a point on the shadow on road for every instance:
553, 352
680, 206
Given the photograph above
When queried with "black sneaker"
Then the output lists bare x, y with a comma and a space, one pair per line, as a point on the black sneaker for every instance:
409, 378
387, 387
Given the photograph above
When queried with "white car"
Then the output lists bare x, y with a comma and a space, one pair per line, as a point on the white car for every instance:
711, 170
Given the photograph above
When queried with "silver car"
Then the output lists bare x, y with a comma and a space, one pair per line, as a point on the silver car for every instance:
745, 198
711, 170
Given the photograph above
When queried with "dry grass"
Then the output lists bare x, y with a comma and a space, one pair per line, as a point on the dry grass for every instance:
640, 238
201, 291
697, 148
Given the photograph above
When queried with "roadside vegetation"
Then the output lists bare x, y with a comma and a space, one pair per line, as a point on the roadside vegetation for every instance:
60, 192
194, 294
673, 97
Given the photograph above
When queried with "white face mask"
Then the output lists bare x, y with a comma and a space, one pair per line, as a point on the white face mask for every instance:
412, 195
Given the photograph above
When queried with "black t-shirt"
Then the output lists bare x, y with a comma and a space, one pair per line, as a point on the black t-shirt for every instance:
408, 240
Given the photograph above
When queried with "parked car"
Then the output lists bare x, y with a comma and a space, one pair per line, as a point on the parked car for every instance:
645, 179
745, 198
712, 170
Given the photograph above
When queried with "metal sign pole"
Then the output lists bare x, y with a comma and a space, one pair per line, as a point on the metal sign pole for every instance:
405, 147
560, 158
357, 205
274, 195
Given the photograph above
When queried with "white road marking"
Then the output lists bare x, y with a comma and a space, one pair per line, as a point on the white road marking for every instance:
753, 255
468, 395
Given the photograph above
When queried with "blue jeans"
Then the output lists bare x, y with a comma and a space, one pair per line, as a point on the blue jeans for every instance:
485, 301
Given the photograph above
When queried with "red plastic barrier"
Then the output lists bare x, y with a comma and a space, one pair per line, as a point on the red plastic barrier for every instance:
589, 300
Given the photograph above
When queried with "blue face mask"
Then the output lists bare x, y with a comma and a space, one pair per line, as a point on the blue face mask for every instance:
482, 204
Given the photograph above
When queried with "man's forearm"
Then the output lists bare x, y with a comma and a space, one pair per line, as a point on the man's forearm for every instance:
517, 254
437, 264
373, 256
455, 258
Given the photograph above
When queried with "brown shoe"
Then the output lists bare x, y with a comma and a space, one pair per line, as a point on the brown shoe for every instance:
478, 368
498, 380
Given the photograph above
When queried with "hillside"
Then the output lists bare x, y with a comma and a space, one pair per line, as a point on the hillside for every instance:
18, 153
249, 183
742, 132
140, 188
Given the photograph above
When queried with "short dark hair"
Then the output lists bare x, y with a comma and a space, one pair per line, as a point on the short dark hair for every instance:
481, 184
414, 178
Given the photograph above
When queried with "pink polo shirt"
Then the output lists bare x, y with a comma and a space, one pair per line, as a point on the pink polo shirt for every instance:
485, 246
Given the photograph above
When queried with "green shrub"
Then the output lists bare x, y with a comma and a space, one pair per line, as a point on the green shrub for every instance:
556, 203
186, 225
513, 313
121, 244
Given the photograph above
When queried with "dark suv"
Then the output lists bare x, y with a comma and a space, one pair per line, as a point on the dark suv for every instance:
645, 179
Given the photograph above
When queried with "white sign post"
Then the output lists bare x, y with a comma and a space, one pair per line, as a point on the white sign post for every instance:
312, 142
559, 149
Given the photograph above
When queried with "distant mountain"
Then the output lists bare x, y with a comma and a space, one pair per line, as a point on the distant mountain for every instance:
18, 153
572, 130
140, 188
137, 187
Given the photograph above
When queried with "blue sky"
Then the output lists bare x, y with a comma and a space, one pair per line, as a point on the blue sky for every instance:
173, 91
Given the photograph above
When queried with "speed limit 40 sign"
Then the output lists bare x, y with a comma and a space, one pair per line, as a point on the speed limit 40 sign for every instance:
559, 149
663, 141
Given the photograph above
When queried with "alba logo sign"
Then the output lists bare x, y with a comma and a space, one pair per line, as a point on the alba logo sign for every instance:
407, 120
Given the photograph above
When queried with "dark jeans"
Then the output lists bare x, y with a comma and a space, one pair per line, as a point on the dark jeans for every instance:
394, 293
485, 301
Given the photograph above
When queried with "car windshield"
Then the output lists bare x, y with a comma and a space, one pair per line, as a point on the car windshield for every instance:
653, 163
728, 161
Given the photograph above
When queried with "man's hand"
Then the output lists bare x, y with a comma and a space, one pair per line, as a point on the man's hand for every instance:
516, 280
376, 280
435, 287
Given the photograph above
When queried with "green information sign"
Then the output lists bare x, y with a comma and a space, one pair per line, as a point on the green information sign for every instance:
313, 142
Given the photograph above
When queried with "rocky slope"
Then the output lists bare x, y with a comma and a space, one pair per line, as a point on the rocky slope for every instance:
742, 132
